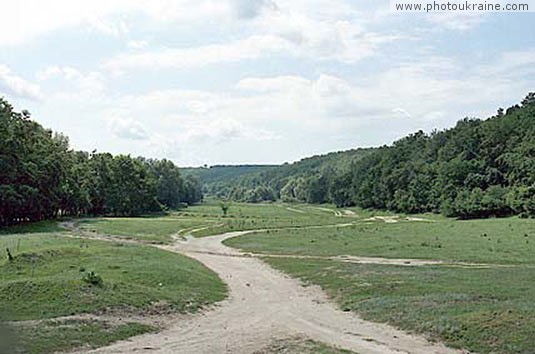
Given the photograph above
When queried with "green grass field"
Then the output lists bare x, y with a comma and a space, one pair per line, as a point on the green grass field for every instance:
508, 241
156, 230
487, 309
45, 280
242, 216
207, 219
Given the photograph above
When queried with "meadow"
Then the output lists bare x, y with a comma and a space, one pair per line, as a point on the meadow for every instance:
56, 282
479, 299
207, 219
503, 241
482, 304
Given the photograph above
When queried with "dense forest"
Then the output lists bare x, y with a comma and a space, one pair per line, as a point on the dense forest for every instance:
41, 177
217, 178
305, 180
479, 168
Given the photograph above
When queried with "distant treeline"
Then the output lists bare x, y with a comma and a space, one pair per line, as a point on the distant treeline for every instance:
41, 177
479, 168
304, 181
211, 176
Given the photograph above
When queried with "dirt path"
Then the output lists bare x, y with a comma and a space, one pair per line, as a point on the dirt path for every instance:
265, 305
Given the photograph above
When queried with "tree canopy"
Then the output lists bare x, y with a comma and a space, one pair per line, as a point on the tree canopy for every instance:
41, 177
478, 168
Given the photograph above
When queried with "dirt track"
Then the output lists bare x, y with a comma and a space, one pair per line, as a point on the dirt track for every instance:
265, 305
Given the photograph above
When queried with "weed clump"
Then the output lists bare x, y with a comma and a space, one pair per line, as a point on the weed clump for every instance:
93, 278
9, 255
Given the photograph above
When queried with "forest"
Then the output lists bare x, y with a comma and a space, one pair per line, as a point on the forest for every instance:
478, 168
42, 178
257, 183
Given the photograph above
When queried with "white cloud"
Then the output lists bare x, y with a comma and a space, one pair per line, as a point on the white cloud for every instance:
309, 91
127, 128
344, 44
290, 28
25, 20
273, 84
140, 44
520, 63
184, 58
224, 130
73, 82
113, 28
12, 84
293, 114
401, 112
328, 86
326, 30
249, 9
458, 21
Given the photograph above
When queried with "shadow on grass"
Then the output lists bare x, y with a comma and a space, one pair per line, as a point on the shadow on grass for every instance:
34, 227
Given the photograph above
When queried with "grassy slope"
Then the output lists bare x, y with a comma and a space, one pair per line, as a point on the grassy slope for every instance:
509, 241
207, 218
486, 310
150, 229
244, 216
45, 281
54, 336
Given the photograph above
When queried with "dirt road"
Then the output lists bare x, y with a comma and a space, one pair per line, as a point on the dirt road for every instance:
265, 305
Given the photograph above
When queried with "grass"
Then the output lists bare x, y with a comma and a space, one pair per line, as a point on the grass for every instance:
483, 310
36, 227
508, 240
207, 219
153, 230
243, 216
486, 310
45, 281
56, 336
300, 346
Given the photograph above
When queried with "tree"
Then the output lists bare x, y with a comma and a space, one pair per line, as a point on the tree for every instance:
225, 206
41, 177
170, 187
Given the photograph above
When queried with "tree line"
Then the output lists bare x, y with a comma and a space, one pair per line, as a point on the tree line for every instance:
478, 168
42, 178
300, 181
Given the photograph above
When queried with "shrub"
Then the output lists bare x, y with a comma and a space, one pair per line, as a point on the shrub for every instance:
93, 279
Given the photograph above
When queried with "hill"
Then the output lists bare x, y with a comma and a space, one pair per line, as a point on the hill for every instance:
478, 168
304, 180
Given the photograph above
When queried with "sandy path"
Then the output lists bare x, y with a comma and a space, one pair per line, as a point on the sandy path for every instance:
265, 305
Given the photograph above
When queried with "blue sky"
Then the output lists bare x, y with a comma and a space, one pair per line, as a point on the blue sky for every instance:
257, 81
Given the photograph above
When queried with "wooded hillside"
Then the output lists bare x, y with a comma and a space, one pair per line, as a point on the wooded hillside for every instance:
478, 168
307, 180
41, 177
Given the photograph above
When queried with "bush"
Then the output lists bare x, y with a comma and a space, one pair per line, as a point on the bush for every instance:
93, 279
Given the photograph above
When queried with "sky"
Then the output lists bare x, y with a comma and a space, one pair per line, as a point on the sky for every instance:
255, 81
